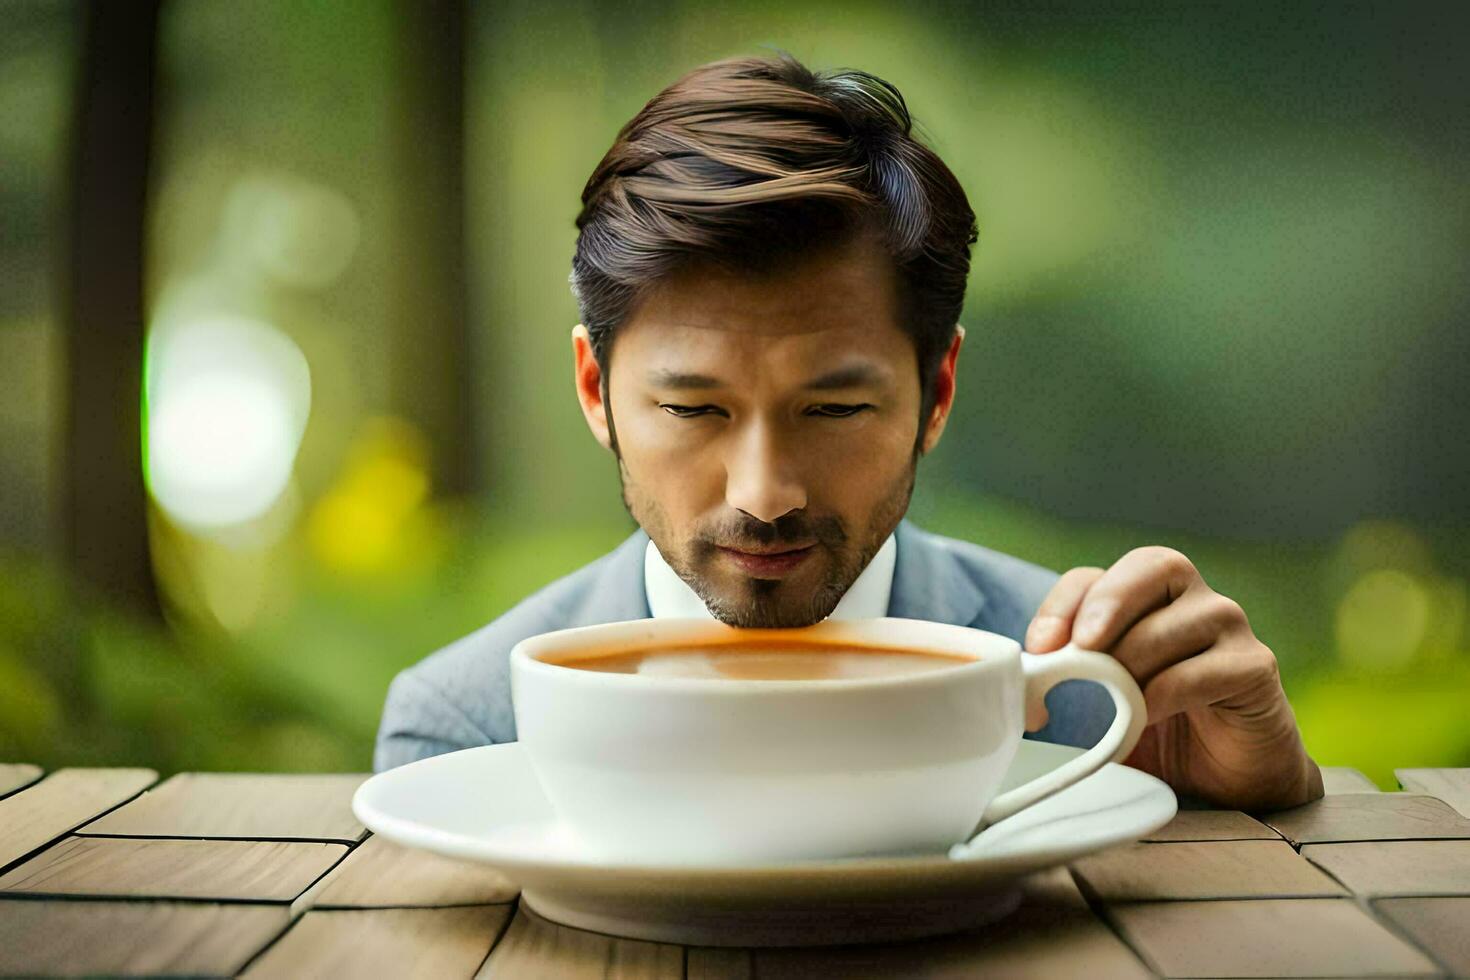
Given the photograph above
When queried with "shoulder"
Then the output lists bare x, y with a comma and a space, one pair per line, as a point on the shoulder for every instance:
1011, 588
999, 573
459, 696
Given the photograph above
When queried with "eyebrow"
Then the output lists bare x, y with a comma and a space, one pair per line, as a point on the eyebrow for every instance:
850, 376
669, 378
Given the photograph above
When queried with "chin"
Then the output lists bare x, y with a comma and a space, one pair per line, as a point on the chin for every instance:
762, 622
762, 612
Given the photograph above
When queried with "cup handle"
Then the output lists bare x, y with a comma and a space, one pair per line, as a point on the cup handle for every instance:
1043, 672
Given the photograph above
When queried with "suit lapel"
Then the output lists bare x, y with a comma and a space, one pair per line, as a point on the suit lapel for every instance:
617, 594
929, 582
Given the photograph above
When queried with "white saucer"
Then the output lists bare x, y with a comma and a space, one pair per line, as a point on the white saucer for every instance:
485, 804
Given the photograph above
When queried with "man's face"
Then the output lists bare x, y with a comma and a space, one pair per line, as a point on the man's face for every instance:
766, 429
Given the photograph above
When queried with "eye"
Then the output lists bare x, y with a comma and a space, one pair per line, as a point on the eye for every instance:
690, 411
838, 411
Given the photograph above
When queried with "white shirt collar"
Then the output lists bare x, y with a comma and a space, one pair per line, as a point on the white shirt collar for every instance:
866, 598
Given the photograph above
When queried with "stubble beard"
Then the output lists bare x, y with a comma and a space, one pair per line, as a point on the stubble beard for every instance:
761, 605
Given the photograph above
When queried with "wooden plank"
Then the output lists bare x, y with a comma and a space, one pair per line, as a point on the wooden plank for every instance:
1345, 779
68, 936
1207, 869
1450, 785
1055, 888
1031, 942
379, 874
1051, 934
428, 943
534, 947
220, 869
17, 775
1370, 816
1276, 937
1195, 825
714, 963
1409, 867
1440, 925
60, 802
242, 806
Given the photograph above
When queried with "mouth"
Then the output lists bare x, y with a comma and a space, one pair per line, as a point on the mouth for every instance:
777, 550
768, 562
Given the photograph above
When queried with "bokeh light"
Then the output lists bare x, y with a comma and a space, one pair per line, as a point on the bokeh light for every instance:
228, 399
1382, 620
299, 232
374, 519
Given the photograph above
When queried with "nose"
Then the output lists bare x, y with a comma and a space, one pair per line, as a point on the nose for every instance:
761, 479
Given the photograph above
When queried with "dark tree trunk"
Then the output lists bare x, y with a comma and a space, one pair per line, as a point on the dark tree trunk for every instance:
104, 505
432, 369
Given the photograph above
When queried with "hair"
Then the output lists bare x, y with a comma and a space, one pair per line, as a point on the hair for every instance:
753, 163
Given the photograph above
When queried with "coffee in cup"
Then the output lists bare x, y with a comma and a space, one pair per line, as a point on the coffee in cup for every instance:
766, 661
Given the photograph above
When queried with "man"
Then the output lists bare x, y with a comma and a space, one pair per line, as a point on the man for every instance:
770, 271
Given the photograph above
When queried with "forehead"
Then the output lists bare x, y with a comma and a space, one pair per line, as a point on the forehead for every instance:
843, 301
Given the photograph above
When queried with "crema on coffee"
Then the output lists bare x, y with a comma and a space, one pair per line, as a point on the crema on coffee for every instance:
784, 661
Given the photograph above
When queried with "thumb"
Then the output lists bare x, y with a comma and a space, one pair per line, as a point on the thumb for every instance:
1051, 627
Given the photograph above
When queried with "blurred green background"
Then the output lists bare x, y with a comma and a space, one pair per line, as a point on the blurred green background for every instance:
1219, 302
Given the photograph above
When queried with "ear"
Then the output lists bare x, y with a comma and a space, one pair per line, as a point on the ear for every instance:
588, 376
944, 389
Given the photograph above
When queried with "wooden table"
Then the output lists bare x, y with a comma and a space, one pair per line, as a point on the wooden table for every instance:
224, 874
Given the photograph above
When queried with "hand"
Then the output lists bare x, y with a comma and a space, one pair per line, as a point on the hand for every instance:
1219, 725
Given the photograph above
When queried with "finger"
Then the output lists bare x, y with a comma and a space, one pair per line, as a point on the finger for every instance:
1241, 677
1138, 583
1051, 627
1196, 621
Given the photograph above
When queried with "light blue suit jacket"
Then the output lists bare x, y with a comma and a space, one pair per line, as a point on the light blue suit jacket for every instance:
459, 697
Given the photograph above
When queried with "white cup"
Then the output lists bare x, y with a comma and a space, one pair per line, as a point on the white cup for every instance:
675, 770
